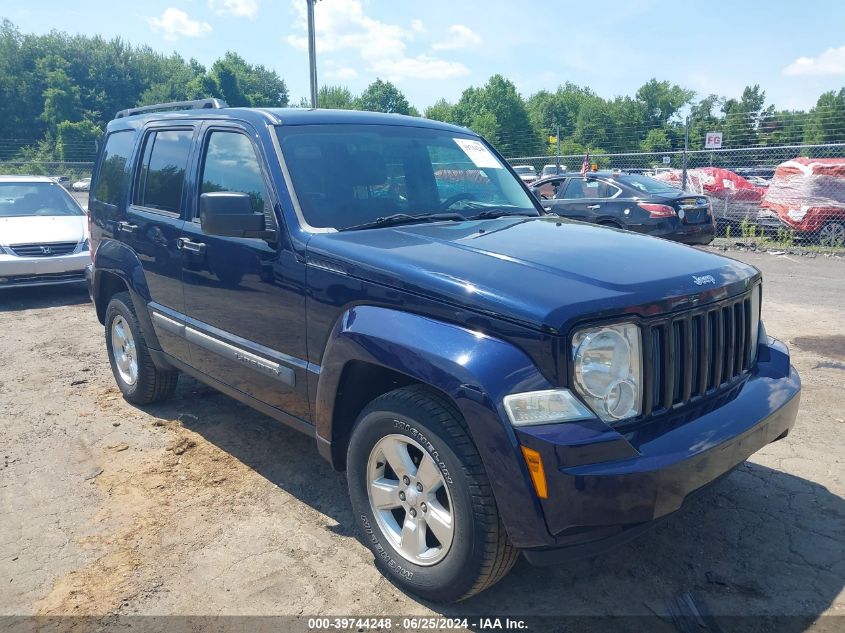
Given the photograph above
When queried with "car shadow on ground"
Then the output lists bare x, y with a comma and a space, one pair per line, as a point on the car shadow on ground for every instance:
761, 551
37, 297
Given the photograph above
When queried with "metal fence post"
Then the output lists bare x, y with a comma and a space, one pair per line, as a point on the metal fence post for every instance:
686, 149
557, 157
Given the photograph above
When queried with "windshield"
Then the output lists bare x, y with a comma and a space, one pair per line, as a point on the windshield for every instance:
21, 199
648, 185
351, 175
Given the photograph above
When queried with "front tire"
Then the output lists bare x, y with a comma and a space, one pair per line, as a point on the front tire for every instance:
832, 234
140, 381
422, 498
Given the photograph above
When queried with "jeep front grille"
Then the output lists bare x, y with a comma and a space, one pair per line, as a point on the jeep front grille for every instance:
44, 250
693, 353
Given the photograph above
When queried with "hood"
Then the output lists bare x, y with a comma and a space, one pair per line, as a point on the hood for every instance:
542, 272
43, 229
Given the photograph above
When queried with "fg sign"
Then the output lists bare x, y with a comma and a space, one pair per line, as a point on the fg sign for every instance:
713, 140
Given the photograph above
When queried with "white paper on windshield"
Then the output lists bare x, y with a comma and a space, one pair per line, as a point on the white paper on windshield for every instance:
477, 153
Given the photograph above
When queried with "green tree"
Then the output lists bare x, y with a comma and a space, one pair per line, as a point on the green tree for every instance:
662, 101
439, 111
826, 123
593, 124
498, 113
61, 96
335, 97
77, 141
703, 120
383, 96
743, 117
248, 84
656, 141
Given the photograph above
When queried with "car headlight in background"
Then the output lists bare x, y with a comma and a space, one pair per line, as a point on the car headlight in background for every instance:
608, 370
545, 407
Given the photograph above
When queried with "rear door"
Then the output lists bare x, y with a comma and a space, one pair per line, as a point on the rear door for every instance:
244, 297
153, 225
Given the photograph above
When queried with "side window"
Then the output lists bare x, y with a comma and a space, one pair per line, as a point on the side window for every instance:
230, 164
549, 190
575, 189
113, 178
162, 174
589, 188
605, 190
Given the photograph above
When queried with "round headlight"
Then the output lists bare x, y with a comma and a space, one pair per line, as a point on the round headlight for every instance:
607, 369
601, 361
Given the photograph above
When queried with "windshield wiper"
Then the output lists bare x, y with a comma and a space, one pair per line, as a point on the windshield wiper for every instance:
499, 212
405, 218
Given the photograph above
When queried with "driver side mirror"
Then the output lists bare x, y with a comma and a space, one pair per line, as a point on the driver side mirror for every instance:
229, 214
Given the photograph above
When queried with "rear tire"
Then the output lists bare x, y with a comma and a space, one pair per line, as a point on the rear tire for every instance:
140, 381
415, 432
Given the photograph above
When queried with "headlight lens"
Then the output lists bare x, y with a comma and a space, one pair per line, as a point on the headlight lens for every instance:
608, 370
545, 407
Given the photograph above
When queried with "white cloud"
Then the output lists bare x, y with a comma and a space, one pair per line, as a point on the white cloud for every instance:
460, 36
342, 27
340, 72
174, 23
831, 62
237, 8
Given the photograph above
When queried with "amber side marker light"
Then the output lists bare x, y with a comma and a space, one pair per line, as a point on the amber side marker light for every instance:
535, 467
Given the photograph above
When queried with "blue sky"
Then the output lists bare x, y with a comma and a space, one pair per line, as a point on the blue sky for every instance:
432, 49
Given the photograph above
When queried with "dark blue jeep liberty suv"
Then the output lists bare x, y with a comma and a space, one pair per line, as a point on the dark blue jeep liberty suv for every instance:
493, 379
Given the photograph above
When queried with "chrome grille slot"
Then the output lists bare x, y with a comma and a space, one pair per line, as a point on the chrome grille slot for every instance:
44, 250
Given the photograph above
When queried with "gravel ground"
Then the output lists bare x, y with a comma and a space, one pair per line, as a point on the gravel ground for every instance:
200, 506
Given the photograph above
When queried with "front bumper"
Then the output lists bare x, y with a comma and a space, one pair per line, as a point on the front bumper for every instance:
20, 272
605, 487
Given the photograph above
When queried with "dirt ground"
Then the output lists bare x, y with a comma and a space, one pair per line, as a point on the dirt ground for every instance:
201, 506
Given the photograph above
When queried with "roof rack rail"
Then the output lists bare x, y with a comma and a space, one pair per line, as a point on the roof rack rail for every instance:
198, 104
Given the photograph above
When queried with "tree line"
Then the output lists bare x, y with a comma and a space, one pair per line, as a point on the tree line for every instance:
57, 92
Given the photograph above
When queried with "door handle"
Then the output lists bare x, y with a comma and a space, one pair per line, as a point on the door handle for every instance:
593, 206
192, 247
126, 227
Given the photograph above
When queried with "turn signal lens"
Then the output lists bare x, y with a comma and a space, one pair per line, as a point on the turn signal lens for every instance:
535, 468
658, 210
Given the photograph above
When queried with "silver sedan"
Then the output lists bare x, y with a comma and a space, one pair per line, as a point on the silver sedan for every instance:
43, 233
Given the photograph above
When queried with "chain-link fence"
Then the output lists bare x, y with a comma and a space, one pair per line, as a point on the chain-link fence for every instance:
66, 170
789, 196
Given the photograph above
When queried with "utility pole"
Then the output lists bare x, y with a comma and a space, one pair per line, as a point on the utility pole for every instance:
686, 149
312, 51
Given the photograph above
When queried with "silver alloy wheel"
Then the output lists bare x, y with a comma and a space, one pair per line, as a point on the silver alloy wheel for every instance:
410, 500
832, 234
123, 348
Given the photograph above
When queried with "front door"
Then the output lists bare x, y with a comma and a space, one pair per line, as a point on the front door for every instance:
244, 297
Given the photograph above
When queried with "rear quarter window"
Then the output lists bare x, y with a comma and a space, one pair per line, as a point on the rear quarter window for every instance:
113, 179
